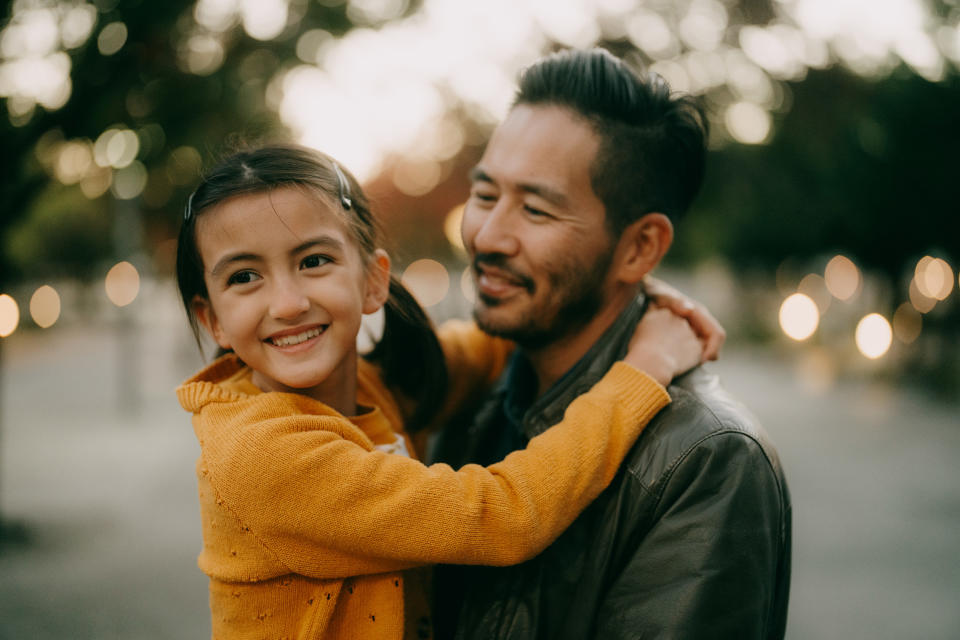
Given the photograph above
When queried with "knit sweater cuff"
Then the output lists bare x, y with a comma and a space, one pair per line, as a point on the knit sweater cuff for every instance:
636, 390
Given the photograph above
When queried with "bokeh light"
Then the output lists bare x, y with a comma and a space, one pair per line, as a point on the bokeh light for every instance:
112, 38
129, 182
264, 19
428, 280
116, 147
907, 323
451, 227
813, 286
920, 302
122, 284
9, 315
873, 335
934, 277
747, 122
73, 161
799, 316
45, 306
416, 178
842, 277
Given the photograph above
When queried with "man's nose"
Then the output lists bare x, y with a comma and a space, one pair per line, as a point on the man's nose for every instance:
288, 300
496, 231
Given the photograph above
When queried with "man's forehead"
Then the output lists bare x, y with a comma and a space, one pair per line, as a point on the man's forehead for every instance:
544, 145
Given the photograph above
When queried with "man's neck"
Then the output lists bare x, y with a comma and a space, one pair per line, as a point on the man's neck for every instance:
550, 362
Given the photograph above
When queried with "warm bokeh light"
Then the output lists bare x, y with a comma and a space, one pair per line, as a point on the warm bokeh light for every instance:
934, 277
920, 302
416, 178
122, 284
799, 316
96, 182
45, 306
815, 288
747, 122
72, 162
116, 147
907, 323
842, 277
9, 315
129, 182
112, 38
873, 335
451, 227
428, 280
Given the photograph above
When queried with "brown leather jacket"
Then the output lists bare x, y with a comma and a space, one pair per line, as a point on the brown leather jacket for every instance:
691, 540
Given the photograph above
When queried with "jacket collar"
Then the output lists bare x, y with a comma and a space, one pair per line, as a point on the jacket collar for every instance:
548, 409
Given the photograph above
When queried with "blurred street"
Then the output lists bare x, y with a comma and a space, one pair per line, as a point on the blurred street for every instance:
102, 491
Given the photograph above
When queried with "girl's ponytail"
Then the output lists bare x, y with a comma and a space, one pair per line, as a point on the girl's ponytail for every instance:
410, 356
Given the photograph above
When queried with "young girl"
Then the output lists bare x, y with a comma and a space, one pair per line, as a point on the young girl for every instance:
311, 499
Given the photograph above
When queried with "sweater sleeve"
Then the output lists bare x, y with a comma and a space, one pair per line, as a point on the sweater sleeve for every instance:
309, 488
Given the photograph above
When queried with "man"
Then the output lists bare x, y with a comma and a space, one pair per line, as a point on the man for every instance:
572, 204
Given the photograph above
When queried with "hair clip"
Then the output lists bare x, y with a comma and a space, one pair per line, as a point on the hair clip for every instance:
188, 209
343, 187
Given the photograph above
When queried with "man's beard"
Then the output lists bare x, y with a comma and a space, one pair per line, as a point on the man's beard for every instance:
576, 296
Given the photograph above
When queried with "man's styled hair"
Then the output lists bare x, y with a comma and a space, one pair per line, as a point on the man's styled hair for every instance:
652, 144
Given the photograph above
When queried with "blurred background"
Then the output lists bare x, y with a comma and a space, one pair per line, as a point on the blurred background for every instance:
826, 239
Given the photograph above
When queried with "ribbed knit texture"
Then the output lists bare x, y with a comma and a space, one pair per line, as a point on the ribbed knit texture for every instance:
307, 527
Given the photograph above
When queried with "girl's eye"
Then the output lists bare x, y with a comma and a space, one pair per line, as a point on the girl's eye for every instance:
314, 261
242, 277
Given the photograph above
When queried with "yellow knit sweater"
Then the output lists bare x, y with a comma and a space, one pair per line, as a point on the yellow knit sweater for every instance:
307, 526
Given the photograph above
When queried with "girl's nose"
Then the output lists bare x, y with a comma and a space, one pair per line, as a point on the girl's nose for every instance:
288, 301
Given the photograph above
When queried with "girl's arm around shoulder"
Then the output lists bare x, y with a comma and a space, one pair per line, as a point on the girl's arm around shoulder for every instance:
326, 505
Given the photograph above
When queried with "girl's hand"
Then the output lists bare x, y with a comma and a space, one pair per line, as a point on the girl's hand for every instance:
664, 345
702, 321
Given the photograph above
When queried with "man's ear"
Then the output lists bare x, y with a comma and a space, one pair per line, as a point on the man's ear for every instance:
205, 315
641, 247
378, 282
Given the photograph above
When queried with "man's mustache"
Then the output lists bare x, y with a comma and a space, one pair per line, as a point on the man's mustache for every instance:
499, 262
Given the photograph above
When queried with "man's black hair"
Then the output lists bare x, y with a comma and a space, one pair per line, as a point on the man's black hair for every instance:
652, 143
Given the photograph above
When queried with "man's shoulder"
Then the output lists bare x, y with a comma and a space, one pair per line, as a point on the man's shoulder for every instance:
702, 420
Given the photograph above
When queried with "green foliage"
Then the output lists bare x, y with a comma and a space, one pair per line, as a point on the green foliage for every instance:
64, 231
867, 168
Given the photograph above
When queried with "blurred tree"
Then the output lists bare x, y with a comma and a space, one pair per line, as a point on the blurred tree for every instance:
860, 167
857, 166
148, 67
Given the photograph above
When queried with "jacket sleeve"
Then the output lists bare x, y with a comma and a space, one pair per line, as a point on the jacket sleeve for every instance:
708, 565
314, 494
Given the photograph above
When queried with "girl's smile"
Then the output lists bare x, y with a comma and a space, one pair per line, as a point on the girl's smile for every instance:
287, 287
287, 340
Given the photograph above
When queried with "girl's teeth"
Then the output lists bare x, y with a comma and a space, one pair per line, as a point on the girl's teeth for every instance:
287, 341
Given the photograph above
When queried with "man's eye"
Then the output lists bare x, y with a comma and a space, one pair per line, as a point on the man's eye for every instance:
242, 277
534, 211
314, 261
484, 197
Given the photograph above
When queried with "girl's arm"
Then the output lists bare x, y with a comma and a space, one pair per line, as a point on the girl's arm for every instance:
475, 359
308, 487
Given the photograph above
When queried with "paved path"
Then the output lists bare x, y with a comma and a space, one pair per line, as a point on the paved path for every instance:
106, 492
